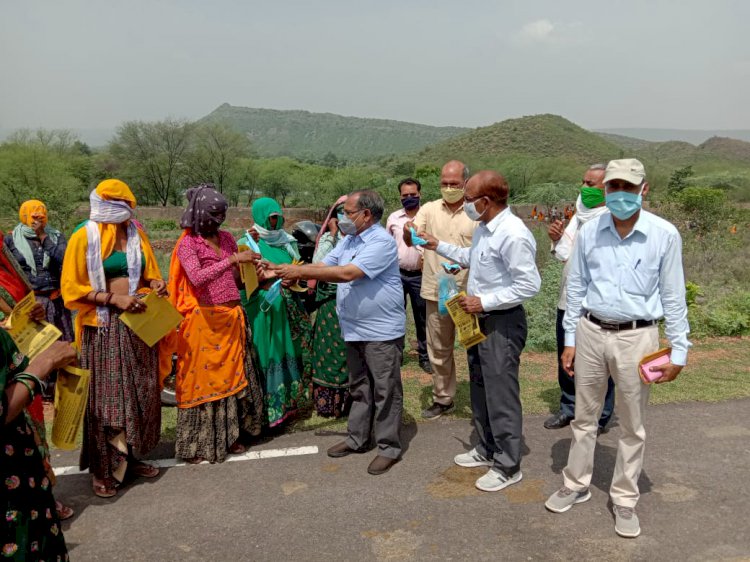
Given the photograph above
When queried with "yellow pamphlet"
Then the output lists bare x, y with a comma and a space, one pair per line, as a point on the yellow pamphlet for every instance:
467, 325
30, 336
157, 321
248, 275
71, 394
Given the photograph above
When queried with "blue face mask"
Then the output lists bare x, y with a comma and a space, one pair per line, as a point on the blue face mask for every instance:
623, 204
271, 295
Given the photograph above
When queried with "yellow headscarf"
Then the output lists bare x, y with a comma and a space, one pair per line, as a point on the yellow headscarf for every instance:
115, 189
31, 209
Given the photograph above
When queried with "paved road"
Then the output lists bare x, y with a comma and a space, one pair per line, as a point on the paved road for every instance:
694, 503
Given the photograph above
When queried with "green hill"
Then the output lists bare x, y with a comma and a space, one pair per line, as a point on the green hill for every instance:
536, 136
306, 135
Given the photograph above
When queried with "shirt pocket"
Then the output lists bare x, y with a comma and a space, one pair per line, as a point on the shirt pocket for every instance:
642, 280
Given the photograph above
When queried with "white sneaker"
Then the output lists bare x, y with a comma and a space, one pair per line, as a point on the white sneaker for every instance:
471, 459
495, 480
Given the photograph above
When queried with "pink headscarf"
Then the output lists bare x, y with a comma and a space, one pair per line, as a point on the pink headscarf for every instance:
311, 283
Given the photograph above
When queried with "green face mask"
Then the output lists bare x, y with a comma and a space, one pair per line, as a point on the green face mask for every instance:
592, 197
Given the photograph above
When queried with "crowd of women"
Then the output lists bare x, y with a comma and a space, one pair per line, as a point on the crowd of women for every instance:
245, 363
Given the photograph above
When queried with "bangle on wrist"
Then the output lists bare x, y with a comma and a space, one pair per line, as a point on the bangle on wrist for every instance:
96, 296
108, 299
30, 377
27, 385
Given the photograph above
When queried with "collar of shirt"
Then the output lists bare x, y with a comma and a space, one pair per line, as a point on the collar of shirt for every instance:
447, 208
641, 225
495, 223
367, 233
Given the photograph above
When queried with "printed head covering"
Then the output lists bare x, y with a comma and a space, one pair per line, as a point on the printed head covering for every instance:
32, 209
206, 210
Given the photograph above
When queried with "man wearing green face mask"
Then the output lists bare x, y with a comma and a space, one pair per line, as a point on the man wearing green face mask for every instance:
590, 204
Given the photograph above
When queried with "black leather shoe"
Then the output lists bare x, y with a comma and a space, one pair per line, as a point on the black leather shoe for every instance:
342, 450
437, 410
557, 421
602, 429
380, 465
426, 366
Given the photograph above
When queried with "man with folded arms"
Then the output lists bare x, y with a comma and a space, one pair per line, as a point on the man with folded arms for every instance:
502, 275
626, 274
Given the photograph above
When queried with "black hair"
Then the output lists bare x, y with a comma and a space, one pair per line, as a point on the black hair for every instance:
410, 181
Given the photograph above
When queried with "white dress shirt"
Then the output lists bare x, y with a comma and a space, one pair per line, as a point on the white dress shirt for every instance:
501, 261
638, 277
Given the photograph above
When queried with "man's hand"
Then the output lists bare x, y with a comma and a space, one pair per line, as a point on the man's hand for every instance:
286, 271
432, 242
669, 372
472, 305
407, 232
568, 360
555, 231
159, 286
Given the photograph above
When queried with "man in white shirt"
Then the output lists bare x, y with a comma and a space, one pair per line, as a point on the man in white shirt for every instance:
589, 205
410, 262
626, 273
502, 275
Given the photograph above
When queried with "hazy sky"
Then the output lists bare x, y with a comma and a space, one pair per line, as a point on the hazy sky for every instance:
605, 63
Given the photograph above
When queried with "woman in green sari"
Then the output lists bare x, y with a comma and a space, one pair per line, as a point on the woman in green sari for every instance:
330, 375
281, 330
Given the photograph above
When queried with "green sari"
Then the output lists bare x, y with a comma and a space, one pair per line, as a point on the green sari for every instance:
31, 529
281, 335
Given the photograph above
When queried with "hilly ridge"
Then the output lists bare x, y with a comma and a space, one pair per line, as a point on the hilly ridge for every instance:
306, 135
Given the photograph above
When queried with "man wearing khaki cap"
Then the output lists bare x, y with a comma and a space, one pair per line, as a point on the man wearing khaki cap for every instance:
626, 274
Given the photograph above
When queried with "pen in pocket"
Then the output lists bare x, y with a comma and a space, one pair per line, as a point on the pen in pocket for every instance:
637, 263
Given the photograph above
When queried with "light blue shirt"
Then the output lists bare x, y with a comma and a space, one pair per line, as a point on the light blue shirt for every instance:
370, 308
501, 261
639, 277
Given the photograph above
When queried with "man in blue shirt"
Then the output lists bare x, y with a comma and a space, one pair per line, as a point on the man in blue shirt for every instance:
370, 306
626, 273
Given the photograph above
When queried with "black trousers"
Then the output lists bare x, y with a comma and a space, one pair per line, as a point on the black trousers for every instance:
568, 383
495, 393
377, 395
412, 286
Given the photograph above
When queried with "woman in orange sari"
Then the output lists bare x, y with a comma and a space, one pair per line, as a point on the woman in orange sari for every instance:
216, 387
108, 264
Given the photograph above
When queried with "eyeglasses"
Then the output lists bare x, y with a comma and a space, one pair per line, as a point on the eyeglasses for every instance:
470, 199
350, 214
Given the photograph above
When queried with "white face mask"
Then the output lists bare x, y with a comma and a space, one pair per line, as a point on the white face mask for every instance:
471, 210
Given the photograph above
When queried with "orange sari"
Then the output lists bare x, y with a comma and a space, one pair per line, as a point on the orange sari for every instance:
210, 344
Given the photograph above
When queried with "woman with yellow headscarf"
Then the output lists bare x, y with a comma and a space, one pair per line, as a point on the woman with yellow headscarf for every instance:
39, 249
108, 264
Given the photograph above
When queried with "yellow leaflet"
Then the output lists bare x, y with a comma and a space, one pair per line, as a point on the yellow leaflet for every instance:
467, 325
30, 336
157, 321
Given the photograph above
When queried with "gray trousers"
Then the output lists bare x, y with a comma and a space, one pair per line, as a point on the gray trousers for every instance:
377, 394
495, 396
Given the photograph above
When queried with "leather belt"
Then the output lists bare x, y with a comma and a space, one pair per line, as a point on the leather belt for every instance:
410, 272
619, 326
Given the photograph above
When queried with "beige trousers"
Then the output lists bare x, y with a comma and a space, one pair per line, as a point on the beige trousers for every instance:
441, 338
599, 354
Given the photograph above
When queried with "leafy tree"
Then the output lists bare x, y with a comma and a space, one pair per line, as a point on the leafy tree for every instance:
678, 180
705, 206
152, 156
214, 156
548, 194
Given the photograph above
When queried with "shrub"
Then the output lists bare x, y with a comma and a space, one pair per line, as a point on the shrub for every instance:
163, 224
541, 311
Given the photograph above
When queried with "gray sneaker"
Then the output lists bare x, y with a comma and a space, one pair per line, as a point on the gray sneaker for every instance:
471, 459
565, 498
495, 480
626, 522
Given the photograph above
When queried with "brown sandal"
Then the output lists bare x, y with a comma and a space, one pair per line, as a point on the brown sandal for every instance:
237, 449
144, 470
63, 511
106, 488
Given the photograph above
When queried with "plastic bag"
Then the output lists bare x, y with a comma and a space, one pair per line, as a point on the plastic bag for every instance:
447, 289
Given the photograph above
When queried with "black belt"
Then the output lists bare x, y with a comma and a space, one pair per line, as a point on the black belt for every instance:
630, 325
410, 272
501, 312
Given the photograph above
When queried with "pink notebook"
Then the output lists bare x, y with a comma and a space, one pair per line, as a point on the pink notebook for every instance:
661, 357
